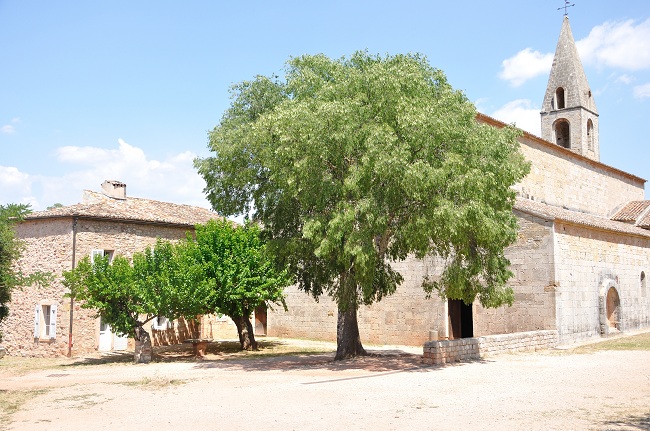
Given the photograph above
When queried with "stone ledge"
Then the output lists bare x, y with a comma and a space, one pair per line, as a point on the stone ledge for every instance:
464, 349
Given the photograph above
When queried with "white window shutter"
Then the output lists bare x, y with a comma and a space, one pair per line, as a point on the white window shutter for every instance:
37, 320
53, 308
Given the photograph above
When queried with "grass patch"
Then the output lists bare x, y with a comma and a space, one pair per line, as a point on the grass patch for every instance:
12, 401
155, 382
634, 342
19, 366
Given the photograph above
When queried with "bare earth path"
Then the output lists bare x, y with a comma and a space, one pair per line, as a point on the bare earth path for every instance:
390, 391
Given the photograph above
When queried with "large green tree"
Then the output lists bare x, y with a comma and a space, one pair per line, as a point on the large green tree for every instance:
355, 163
10, 250
240, 272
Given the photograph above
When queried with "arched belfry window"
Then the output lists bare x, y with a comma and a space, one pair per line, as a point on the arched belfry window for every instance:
590, 134
559, 96
562, 133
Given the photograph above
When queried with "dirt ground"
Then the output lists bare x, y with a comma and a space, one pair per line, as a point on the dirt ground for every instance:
391, 390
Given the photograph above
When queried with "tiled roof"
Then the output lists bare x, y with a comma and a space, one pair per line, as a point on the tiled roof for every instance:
632, 211
644, 221
556, 213
97, 205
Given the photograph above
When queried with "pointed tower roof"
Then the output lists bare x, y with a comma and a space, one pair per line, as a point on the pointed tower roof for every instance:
567, 73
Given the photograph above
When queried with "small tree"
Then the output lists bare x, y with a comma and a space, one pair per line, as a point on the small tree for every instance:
160, 282
10, 251
240, 271
352, 164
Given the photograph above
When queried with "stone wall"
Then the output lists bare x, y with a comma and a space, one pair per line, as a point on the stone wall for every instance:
49, 247
407, 316
403, 318
533, 282
588, 261
466, 349
561, 178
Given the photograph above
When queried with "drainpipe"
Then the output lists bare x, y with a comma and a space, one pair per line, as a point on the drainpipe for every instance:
74, 264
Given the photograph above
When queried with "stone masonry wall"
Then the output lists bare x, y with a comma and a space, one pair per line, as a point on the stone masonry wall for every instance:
559, 177
531, 261
408, 316
588, 260
49, 248
466, 349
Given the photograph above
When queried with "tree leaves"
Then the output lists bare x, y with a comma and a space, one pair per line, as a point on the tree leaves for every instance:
353, 163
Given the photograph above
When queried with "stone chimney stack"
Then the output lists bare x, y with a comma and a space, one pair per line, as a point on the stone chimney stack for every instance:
114, 189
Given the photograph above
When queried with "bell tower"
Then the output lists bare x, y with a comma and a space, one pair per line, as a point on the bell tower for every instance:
569, 114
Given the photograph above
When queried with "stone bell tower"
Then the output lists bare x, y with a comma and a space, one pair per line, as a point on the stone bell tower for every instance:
569, 114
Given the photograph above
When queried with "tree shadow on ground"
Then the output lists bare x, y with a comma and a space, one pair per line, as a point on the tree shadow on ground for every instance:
632, 422
277, 355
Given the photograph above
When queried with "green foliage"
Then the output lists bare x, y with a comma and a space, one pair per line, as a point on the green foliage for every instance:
225, 270
10, 250
238, 267
160, 282
354, 163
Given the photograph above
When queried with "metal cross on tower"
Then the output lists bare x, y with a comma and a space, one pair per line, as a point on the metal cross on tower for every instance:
566, 5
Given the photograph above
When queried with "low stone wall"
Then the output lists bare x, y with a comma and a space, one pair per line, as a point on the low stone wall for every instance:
466, 349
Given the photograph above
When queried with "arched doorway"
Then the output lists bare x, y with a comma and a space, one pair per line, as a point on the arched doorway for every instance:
613, 306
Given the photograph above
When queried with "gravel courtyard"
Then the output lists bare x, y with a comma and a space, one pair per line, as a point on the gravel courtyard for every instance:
390, 390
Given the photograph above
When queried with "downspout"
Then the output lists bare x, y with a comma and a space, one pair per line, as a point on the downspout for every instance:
74, 264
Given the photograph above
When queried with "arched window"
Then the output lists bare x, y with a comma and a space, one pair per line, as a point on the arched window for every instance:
590, 134
644, 287
562, 133
559, 96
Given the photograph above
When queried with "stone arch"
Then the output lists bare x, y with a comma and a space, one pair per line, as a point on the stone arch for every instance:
610, 308
562, 131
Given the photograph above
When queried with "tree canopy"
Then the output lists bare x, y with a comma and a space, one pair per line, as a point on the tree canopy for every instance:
354, 163
226, 269
240, 271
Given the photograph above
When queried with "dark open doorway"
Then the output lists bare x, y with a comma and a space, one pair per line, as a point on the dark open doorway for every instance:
461, 324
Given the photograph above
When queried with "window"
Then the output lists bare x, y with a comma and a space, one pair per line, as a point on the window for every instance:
45, 321
590, 134
161, 323
559, 96
644, 287
108, 253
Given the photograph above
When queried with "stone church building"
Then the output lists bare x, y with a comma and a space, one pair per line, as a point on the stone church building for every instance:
580, 262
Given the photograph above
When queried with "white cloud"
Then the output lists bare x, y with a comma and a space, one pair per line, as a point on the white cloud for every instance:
16, 187
642, 91
625, 79
9, 129
173, 179
522, 113
624, 45
526, 64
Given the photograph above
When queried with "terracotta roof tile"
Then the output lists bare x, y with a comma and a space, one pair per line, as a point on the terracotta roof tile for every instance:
556, 213
97, 205
631, 211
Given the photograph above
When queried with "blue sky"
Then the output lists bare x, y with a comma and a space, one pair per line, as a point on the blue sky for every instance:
127, 90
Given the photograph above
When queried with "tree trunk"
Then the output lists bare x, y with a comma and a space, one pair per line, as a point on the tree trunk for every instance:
348, 341
245, 332
143, 351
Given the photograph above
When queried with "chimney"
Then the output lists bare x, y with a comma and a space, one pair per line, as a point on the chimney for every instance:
114, 189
